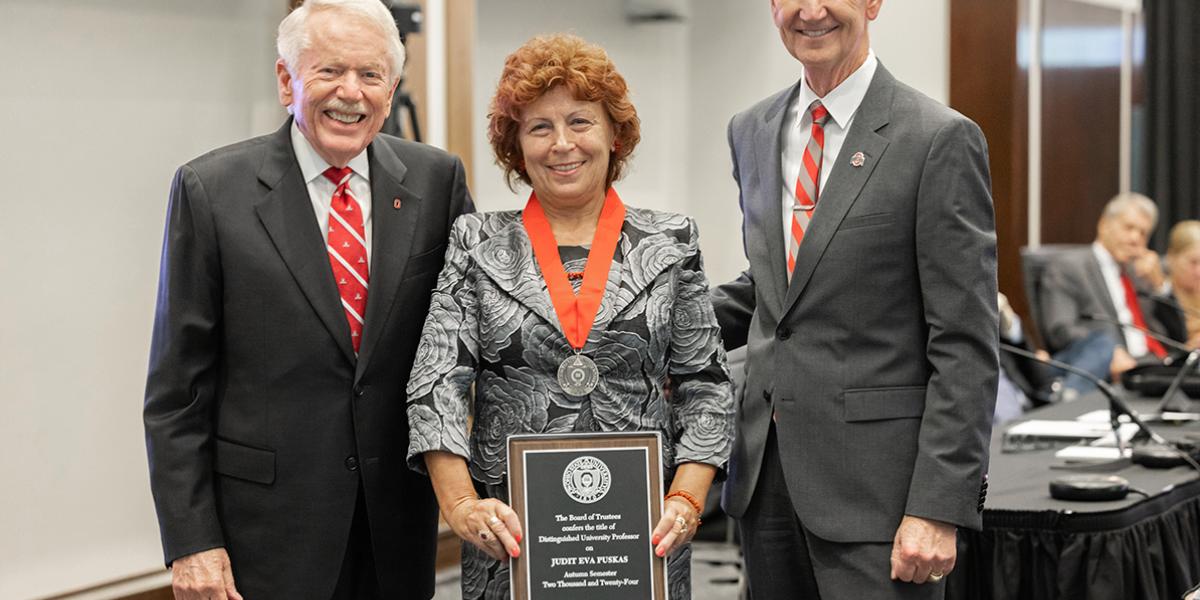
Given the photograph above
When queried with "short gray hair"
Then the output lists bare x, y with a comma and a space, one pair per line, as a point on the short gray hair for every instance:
293, 39
1123, 202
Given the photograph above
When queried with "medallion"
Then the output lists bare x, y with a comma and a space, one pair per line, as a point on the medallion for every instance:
578, 375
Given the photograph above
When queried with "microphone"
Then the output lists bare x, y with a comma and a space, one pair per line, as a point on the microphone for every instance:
1116, 404
1116, 407
1173, 390
1166, 341
1165, 301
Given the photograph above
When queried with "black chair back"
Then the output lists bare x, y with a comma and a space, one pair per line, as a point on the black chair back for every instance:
1033, 267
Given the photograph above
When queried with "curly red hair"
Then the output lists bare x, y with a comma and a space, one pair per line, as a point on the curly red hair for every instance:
547, 61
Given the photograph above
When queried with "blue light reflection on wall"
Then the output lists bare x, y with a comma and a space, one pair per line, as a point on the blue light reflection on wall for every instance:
1081, 47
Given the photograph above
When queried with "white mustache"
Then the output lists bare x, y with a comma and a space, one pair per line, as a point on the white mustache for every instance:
346, 107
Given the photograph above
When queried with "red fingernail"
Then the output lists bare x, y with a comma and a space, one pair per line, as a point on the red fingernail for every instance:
518, 539
654, 540
659, 552
516, 552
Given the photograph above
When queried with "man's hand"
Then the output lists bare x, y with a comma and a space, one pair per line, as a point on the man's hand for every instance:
1148, 267
923, 548
204, 575
1121, 362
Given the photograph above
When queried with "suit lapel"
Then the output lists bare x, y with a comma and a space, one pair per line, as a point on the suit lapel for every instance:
845, 180
1095, 279
507, 259
395, 210
768, 211
287, 214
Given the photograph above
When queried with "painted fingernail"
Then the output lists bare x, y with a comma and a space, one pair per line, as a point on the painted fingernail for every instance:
654, 540
659, 552
516, 552
518, 538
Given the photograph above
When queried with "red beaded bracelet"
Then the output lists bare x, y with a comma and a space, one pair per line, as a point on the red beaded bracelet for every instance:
690, 500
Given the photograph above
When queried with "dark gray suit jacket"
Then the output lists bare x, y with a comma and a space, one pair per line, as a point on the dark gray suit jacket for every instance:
880, 357
260, 421
1072, 287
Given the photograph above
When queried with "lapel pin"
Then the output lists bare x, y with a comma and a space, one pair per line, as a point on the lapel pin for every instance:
396, 203
858, 159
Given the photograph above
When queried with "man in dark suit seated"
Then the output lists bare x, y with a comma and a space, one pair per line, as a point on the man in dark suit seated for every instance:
296, 274
1095, 299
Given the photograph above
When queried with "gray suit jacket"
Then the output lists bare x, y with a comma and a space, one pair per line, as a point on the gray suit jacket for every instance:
1072, 287
261, 423
880, 357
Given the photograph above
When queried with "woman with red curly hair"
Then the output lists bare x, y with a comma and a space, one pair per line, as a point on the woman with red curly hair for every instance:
576, 314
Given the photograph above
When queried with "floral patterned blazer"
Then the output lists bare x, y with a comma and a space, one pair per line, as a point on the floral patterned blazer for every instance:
491, 323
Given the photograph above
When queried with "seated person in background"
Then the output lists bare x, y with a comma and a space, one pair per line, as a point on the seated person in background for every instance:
1024, 383
1085, 292
1179, 313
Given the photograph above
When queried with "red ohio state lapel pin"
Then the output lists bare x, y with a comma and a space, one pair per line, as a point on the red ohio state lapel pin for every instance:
858, 159
396, 203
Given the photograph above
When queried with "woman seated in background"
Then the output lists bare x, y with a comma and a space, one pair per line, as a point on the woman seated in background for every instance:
1180, 314
574, 315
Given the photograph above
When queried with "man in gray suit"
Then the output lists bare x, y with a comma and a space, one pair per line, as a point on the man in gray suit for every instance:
1094, 298
296, 274
869, 312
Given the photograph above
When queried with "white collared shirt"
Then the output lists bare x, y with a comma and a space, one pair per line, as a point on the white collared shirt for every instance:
320, 188
842, 102
1135, 341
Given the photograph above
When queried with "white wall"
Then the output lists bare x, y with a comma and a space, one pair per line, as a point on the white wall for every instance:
687, 80
101, 102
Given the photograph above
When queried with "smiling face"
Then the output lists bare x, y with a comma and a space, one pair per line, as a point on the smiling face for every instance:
566, 145
340, 90
828, 36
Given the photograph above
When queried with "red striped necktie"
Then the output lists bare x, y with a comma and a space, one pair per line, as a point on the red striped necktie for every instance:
1139, 320
348, 251
807, 184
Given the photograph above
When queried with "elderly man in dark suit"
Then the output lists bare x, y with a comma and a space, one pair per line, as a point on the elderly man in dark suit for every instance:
296, 273
1096, 300
869, 312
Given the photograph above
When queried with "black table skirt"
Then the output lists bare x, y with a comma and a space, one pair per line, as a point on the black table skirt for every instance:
1036, 548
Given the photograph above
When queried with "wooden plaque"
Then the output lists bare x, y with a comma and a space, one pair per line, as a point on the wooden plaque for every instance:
587, 503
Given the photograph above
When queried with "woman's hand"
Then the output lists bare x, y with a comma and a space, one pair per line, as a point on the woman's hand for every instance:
489, 524
676, 527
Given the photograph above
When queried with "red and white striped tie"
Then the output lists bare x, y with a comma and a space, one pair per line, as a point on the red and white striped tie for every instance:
807, 184
348, 251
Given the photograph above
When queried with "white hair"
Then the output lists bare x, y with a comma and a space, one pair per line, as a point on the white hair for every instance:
1129, 200
293, 38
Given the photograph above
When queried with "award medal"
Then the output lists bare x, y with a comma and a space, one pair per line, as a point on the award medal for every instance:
578, 374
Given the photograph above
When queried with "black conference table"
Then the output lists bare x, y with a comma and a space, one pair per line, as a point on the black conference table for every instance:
1034, 547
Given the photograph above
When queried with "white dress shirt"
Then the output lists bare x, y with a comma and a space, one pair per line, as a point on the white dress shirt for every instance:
1135, 341
320, 188
842, 102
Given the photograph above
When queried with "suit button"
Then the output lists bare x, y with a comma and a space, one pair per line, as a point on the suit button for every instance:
784, 333
351, 463
358, 391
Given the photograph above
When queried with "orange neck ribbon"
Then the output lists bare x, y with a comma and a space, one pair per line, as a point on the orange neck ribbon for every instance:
576, 312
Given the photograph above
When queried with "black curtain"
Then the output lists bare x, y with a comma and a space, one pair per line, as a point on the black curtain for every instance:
1172, 128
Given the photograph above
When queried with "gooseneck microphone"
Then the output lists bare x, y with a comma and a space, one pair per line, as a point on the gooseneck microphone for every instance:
1165, 301
1116, 406
1150, 333
1174, 389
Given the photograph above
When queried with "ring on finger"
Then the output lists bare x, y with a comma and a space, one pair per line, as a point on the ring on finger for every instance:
682, 523
494, 521
485, 535
936, 577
